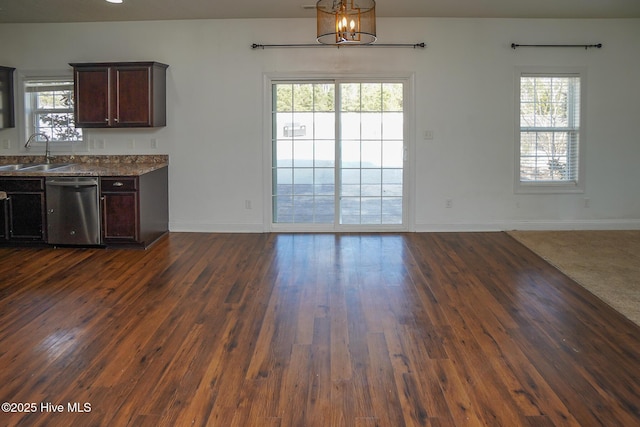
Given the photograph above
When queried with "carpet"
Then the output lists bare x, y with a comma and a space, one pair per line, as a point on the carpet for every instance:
607, 263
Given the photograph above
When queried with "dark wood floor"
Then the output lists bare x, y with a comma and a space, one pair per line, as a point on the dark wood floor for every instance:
310, 330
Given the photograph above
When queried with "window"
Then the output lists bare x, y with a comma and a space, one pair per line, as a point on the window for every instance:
48, 107
550, 133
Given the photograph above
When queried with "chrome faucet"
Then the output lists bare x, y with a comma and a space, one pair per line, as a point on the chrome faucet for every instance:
47, 153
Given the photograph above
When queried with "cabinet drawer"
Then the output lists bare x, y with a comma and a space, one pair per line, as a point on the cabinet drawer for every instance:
22, 185
119, 184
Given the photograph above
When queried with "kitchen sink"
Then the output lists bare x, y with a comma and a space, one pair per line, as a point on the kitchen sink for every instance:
46, 166
12, 167
35, 167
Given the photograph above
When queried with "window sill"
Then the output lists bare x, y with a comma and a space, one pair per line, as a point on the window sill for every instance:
548, 188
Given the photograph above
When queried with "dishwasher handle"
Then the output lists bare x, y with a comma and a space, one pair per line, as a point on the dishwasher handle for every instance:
54, 183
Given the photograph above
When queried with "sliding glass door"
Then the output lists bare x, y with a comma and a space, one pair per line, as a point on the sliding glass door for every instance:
338, 155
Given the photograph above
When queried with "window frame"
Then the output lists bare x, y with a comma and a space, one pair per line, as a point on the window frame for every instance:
559, 186
24, 116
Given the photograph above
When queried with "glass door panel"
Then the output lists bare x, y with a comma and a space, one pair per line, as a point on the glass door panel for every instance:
303, 141
371, 153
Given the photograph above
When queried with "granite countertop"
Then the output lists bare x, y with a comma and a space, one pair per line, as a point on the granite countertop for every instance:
125, 165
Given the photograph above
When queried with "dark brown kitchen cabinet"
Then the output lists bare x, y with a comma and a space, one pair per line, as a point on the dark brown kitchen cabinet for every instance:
120, 94
24, 211
134, 208
7, 115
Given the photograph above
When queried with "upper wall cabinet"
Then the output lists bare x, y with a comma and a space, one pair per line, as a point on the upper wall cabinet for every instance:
120, 94
7, 118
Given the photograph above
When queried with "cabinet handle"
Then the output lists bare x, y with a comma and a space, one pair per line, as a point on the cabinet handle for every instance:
116, 120
107, 119
118, 184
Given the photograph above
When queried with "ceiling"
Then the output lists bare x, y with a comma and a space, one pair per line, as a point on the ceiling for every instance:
39, 11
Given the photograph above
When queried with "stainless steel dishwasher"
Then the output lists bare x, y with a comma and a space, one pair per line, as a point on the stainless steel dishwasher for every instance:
73, 211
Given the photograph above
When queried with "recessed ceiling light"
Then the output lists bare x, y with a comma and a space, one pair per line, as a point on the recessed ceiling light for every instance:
115, 1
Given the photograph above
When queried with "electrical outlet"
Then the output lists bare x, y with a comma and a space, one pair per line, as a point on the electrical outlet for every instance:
6, 144
247, 204
154, 143
448, 203
428, 134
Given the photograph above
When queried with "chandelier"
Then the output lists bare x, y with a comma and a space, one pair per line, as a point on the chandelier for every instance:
346, 21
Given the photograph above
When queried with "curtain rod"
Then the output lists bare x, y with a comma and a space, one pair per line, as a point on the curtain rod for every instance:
415, 45
586, 46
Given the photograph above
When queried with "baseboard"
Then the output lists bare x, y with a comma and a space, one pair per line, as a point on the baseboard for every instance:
623, 224
191, 227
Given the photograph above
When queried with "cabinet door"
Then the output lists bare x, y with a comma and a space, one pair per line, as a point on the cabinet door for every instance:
7, 118
92, 97
120, 216
25, 208
26, 216
132, 95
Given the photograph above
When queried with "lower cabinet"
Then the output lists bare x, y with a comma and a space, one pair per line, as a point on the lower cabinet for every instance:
22, 214
120, 209
135, 209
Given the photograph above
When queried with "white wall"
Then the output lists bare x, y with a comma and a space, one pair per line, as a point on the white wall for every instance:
464, 93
